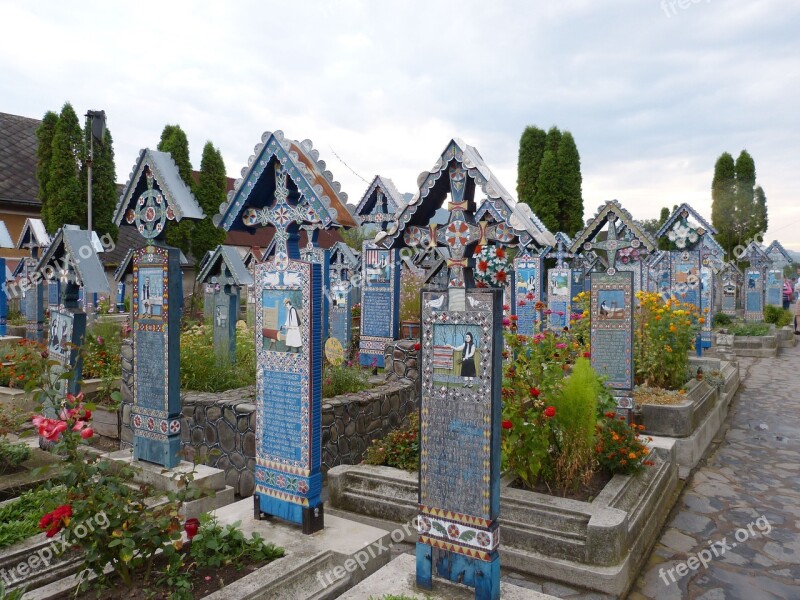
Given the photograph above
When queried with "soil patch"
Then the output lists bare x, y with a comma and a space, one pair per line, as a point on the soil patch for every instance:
584, 493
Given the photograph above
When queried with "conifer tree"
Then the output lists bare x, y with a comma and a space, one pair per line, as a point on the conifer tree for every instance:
531, 152
66, 205
44, 153
104, 187
210, 194
174, 141
723, 202
745, 198
546, 201
570, 182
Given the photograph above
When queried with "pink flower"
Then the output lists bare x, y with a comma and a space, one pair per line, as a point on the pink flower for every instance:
561, 346
100, 340
506, 321
50, 429
87, 433
547, 312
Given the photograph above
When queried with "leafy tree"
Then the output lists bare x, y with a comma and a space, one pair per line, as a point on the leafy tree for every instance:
44, 153
210, 192
570, 182
174, 141
65, 203
355, 236
548, 192
761, 220
104, 186
745, 198
531, 152
553, 140
723, 202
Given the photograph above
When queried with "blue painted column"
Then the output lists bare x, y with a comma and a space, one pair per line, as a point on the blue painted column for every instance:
3, 298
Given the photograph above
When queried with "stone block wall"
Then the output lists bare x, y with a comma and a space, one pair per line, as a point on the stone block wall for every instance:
219, 429
400, 360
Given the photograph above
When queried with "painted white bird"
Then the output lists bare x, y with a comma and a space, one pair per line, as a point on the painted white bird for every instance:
438, 303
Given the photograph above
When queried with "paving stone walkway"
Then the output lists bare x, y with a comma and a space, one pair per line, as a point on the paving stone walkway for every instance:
740, 510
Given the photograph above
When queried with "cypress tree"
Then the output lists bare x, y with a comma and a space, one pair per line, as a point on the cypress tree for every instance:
174, 141
66, 205
570, 182
531, 152
546, 201
761, 220
210, 194
553, 140
723, 202
745, 198
104, 187
44, 153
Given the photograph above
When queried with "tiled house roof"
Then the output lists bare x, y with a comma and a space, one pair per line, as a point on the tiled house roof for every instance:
18, 144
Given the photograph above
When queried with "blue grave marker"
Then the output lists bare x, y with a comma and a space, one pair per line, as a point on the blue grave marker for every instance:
120, 296
528, 269
343, 267
380, 302
460, 408
154, 196
774, 290
755, 281
559, 297
285, 186
322, 257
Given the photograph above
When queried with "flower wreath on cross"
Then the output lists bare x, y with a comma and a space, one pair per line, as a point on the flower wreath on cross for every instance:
492, 268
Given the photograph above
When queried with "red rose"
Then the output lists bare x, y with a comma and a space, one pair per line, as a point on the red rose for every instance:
507, 424
535, 392
550, 412
587, 355
417, 346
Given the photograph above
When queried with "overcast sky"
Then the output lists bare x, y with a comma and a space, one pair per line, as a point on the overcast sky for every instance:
653, 91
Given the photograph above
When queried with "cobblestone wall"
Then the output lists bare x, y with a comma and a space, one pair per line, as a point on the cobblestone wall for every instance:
400, 360
220, 428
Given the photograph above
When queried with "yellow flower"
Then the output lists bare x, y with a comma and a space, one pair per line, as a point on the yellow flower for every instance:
632, 456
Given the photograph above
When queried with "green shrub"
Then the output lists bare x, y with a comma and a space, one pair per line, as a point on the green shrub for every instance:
19, 519
343, 379
721, 320
217, 546
12, 455
749, 329
204, 371
576, 417
22, 364
778, 316
399, 449
620, 447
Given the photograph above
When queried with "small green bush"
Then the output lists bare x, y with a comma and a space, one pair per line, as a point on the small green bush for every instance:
217, 546
12, 455
343, 379
778, 316
721, 320
399, 449
19, 519
202, 369
749, 329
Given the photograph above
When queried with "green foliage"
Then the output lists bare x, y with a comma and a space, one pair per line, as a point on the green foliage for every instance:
546, 200
12, 455
174, 141
410, 286
15, 594
204, 371
576, 417
104, 188
356, 236
44, 154
101, 360
723, 202
19, 519
399, 449
65, 202
778, 316
22, 363
531, 152
721, 320
343, 379
210, 192
750, 329
15, 317
760, 217
570, 183
620, 447
218, 546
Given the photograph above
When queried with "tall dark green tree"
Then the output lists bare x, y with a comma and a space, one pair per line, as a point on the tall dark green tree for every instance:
531, 152
745, 197
66, 205
104, 186
553, 139
570, 185
548, 192
44, 152
174, 141
210, 193
723, 202
761, 220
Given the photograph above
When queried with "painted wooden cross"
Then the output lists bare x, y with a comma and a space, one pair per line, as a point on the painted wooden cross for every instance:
284, 217
380, 214
460, 235
561, 252
612, 244
151, 212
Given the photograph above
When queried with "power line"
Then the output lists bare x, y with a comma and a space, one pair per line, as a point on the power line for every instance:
339, 158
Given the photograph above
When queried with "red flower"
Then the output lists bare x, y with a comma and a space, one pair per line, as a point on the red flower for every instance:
500, 253
56, 519
534, 392
500, 276
507, 424
506, 307
506, 321
587, 355
550, 412
521, 303
514, 318
50, 429
483, 265
87, 433
417, 346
